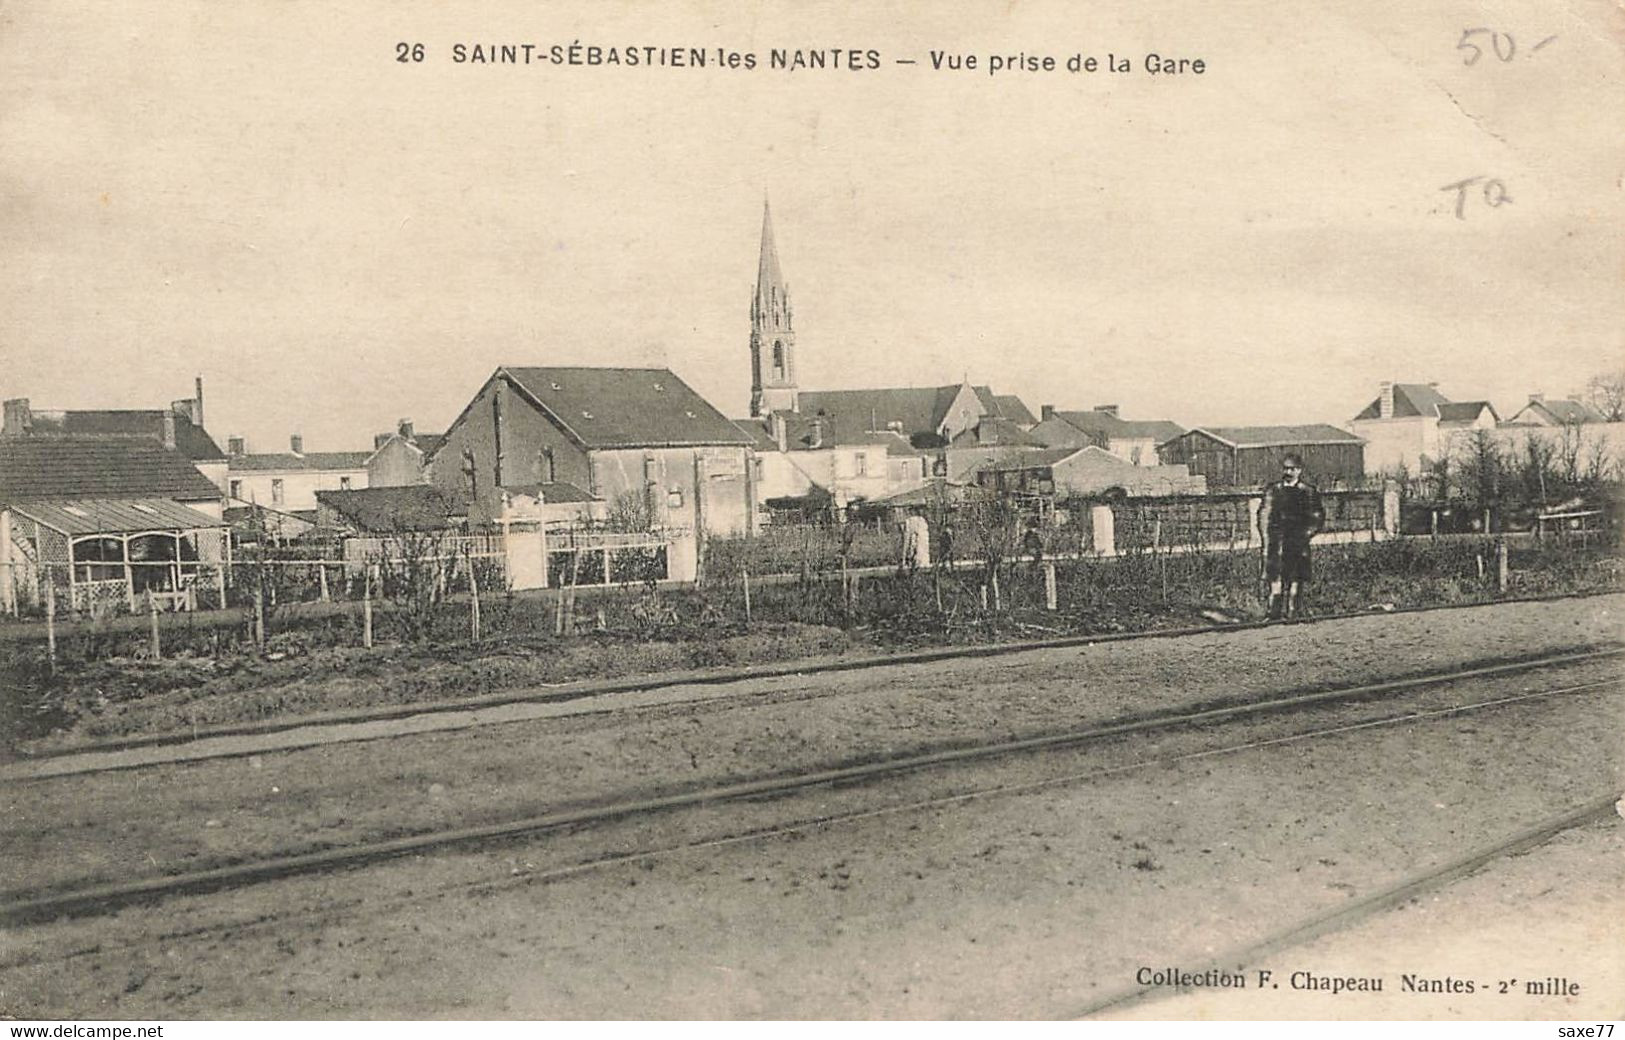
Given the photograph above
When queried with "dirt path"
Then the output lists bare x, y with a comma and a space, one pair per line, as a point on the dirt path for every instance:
1020, 906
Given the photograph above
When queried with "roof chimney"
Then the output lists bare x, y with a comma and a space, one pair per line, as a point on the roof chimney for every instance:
1046, 412
781, 432
197, 396
1534, 398
169, 429
18, 417
817, 432
1109, 409
404, 428
380, 439
1385, 401
296, 444
234, 446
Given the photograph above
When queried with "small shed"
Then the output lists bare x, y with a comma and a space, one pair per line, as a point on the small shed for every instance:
99, 554
1250, 456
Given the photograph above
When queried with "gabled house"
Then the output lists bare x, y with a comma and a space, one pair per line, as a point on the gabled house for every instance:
797, 457
400, 457
1556, 412
1134, 440
1409, 425
179, 427
287, 481
634, 438
1086, 471
1250, 456
103, 521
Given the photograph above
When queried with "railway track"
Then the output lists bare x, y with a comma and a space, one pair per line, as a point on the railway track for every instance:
317, 728
20, 907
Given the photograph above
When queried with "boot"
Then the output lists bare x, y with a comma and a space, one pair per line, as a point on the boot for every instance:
1275, 606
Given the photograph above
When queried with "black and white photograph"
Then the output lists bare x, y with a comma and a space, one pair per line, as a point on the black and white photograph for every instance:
977, 511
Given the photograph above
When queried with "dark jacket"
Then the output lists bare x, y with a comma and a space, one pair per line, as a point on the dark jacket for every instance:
1290, 516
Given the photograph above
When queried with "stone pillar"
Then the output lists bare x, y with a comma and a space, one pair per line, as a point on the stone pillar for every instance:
1390, 507
1104, 529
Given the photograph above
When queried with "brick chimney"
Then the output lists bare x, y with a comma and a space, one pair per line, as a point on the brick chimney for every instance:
235, 446
781, 431
404, 428
296, 444
197, 402
380, 439
1046, 412
1385, 401
817, 432
1534, 398
18, 417
169, 429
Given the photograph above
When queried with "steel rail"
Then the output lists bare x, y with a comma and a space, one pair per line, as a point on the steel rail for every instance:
18, 908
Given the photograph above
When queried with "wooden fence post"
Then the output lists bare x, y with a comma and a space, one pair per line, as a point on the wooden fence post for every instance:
259, 608
745, 572
1502, 572
366, 610
152, 617
1050, 599
473, 602
321, 571
50, 621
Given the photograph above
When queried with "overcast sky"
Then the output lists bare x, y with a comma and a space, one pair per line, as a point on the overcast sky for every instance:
260, 194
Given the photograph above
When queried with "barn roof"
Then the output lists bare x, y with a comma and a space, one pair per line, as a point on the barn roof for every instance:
413, 507
191, 440
1279, 436
625, 407
98, 468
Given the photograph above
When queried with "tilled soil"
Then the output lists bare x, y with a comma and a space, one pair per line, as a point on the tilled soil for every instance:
113, 826
1029, 905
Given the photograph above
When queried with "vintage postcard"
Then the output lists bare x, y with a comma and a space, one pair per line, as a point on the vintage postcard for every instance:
1009, 510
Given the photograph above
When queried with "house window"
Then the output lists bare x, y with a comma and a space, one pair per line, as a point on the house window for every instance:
550, 467
237, 489
344, 483
862, 462
778, 359
674, 498
276, 491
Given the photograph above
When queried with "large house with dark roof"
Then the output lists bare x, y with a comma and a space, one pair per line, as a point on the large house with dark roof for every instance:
180, 427
1409, 425
632, 438
1134, 440
855, 444
103, 519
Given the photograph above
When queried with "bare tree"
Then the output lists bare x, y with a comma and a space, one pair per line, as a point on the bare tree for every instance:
1605, 392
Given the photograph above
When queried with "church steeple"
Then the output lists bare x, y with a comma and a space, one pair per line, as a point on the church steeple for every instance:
772, 333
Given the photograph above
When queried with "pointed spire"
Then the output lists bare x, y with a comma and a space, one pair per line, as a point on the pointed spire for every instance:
768, 275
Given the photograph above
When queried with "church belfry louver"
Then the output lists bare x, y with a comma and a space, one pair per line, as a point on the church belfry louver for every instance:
772, 334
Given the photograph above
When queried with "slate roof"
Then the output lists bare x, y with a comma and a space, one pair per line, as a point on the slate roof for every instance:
1009, 406
1107, 425
1410, 399
1279, 436
96, 468
552, 492
1465, 411
918, 409
190, 440
625, 407
801, 434
263, 462
117, 516
1042, 458
1562, 412
384, 510
995, 430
